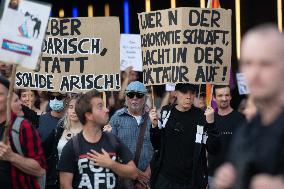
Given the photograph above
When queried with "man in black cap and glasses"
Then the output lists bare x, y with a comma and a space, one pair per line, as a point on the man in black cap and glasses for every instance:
180, 139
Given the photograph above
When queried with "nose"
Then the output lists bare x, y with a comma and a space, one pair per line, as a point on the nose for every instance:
188, 95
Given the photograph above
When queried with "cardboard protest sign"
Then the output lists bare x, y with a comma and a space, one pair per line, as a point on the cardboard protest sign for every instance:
130, 52
186, 45
22, 30
242, 84
79, 54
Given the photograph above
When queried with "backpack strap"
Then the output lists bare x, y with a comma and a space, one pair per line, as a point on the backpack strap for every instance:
140, 140
16, 134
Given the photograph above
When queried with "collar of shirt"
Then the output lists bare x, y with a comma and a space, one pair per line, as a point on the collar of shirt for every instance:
125, 111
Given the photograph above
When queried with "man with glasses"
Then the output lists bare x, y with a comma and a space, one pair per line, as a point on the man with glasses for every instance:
127, 123
48, 121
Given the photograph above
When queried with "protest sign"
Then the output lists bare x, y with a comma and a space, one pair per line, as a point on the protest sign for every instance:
130, 52
79, 54
170, 87
242, 84
186, 45
22, 30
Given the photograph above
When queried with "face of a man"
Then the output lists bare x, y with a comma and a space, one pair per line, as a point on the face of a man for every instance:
262, 63
223, 97
3, 98
99, 112
135, 101
185, 99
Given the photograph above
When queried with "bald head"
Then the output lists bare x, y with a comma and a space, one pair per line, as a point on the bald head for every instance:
262, 61
264, 37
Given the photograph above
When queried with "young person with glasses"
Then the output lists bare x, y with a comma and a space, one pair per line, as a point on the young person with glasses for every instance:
127, 123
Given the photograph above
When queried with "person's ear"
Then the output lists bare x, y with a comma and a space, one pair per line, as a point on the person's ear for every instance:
89, 116
175, 94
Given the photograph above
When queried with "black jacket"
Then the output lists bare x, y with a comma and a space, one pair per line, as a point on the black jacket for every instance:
199, 171
258, 149
51, 154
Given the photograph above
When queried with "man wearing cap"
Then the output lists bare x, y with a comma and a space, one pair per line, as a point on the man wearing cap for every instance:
180, 140
127, 123
16, 170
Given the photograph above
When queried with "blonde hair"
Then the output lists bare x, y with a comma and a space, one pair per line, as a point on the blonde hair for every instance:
66, 120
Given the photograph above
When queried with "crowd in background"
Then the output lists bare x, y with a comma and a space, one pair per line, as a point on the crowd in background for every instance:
180, 142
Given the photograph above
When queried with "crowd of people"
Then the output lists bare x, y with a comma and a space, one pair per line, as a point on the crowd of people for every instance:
67, 140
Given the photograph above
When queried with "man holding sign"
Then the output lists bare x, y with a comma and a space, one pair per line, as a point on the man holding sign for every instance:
181, 137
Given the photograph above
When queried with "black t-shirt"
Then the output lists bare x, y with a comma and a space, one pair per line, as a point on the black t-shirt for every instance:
87, 175
5, 166
227, 126
258, 149
180, 134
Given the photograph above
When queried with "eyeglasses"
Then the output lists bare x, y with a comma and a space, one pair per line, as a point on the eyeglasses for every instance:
132, 94
57, 97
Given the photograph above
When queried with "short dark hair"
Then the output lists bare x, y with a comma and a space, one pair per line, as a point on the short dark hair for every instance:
83, 104
219, 87
37, 100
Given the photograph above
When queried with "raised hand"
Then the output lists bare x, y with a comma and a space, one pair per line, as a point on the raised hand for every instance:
153, 117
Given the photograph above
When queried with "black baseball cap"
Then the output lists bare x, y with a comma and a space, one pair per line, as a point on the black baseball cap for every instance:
4, 81
184, 87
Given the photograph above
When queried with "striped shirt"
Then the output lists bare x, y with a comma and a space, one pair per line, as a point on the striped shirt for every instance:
31, 147
126, 128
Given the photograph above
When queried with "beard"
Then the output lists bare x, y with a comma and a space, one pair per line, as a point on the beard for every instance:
224, 105
136, 107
